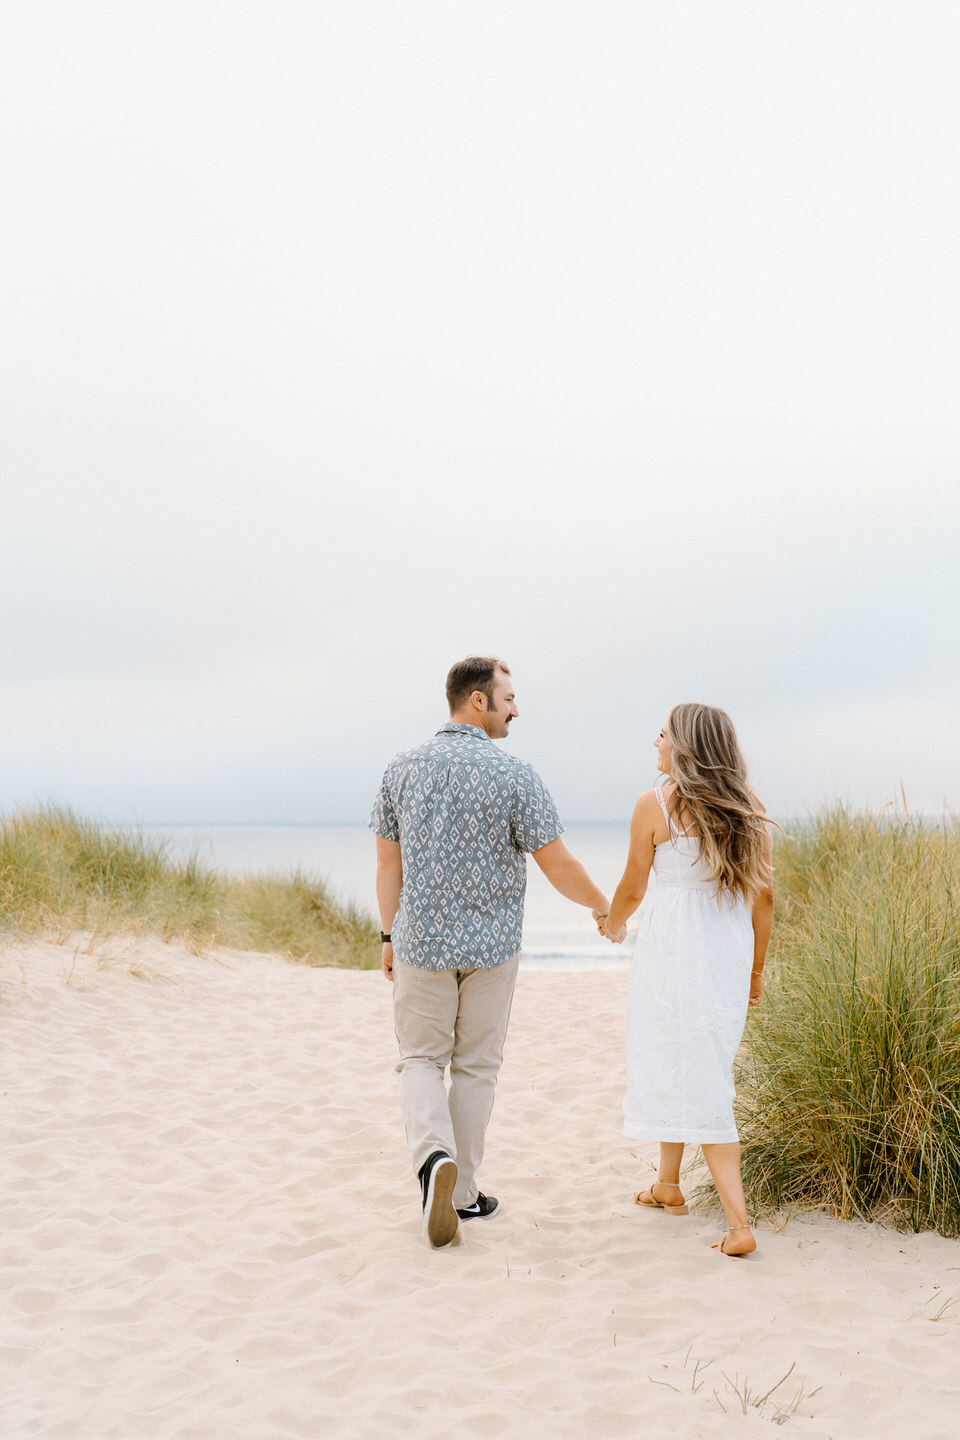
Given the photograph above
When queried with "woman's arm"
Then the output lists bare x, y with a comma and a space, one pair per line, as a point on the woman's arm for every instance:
633, 884
762, 915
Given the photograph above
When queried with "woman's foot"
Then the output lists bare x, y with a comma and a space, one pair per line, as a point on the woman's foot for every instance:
663, 1195
738, 1241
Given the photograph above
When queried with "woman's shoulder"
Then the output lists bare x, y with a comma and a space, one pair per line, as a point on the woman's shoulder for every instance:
649, 820
648, 804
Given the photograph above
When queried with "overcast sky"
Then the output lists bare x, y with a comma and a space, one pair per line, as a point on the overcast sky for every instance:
340, 340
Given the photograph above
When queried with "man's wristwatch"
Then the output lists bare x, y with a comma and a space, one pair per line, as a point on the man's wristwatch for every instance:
386, 939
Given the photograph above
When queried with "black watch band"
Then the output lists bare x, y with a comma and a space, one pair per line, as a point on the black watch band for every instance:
385, 938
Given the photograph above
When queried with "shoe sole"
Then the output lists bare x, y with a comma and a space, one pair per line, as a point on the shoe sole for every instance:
440, 1220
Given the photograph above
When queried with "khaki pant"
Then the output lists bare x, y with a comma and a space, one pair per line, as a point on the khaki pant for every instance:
456, 1018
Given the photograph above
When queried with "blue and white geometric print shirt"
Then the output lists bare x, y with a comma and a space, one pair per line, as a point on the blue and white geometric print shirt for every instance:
465, 815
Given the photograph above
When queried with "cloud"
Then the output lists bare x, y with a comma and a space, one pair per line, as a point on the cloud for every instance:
343, 341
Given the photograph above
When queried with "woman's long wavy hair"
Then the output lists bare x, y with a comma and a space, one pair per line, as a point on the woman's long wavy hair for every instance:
710, 785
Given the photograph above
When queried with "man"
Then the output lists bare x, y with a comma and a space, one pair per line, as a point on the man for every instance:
454, 820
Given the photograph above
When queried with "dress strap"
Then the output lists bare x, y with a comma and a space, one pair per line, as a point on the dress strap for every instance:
666, 813
673, 831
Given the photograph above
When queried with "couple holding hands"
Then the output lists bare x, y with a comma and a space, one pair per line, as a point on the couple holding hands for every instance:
454, 821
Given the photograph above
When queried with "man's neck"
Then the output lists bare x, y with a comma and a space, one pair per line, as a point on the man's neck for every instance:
472, 719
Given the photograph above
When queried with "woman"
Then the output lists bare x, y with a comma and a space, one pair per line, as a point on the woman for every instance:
699, 957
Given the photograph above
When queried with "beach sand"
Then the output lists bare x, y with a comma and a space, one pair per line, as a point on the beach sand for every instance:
209, 1230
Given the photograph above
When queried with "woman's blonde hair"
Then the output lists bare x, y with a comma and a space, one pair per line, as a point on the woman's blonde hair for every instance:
710, 784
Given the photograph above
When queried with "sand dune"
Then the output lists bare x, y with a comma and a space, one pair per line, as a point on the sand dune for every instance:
209, 1231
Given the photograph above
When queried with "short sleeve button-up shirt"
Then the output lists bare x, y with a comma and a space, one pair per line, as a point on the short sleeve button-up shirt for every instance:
465, 814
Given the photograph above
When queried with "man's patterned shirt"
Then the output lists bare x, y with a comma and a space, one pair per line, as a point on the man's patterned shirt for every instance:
465, 814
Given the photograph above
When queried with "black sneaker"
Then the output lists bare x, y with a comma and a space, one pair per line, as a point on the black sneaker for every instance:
438, 1177
482, 1208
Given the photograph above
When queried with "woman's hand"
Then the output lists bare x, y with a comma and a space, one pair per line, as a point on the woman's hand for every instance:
756, 989
618, 937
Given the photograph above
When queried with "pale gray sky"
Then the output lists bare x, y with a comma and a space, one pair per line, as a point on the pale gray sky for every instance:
340, 340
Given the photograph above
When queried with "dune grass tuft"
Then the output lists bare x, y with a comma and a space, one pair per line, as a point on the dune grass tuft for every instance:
849, 1081
60, 874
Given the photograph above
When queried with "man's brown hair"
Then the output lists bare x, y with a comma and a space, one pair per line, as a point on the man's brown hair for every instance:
477, 672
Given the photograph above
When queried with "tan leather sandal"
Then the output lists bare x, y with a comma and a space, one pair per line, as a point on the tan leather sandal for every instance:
647, 1197
744, 1247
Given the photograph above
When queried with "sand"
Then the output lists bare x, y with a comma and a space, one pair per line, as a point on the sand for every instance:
209, 1230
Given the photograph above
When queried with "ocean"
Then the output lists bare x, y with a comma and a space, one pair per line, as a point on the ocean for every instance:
557, 935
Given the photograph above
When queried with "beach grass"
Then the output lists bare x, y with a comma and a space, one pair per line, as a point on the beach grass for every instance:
60, 874
849, 1079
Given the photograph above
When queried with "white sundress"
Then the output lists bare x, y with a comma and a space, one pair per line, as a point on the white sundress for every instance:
686, 1001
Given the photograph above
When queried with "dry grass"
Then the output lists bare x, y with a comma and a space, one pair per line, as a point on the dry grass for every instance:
60, 874
849, 1085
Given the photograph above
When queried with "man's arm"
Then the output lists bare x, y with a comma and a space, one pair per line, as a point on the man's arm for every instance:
389, 885
567, 875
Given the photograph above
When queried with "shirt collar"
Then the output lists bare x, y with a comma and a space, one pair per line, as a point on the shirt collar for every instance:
457, 727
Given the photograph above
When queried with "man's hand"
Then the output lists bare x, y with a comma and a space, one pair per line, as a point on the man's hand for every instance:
601, 918
386, 960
